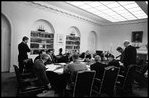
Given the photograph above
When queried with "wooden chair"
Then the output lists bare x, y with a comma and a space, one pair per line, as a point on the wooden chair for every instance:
123, 79
107, 84
128, 74
82, 84
28, 69
26, 86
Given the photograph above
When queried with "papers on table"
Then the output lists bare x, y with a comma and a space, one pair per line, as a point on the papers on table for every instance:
88, 67
49, 93
62, 64
54, 68
51, 67
59, 70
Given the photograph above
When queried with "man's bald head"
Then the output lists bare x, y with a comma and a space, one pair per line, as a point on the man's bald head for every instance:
97, 58
126, 43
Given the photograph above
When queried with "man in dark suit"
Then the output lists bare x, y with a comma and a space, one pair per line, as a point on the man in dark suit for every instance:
98, 67
129, 59
112, 61
40, 53
23, 49
52, 57
40, 70
130, 54
86, 56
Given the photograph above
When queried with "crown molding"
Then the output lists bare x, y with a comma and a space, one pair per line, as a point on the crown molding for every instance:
46, 6
57, 10
128, 22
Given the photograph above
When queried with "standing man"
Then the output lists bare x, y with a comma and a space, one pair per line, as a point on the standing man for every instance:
121, 51
23, 49
129, 60
130, 54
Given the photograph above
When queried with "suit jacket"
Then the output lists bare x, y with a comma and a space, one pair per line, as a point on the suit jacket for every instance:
23, 49
40, 70
99, 68
82, 55
88, 56
74, 67
61, 58
53, 58
114, 63
121, 57
130, 55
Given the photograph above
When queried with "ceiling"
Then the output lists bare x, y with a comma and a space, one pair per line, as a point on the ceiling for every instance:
73, 9
114, 11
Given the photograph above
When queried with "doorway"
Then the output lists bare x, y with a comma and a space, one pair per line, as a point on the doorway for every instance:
5, 44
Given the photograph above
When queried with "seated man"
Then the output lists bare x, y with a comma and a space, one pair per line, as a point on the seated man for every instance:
98, 67
40, 53
73, 67
40, 70
52, 57
87, 56
60, 57
112, 61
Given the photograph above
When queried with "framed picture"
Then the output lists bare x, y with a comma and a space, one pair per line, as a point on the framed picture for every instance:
137, 36
60, 38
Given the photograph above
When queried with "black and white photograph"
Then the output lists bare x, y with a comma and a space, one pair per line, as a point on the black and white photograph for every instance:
74, 48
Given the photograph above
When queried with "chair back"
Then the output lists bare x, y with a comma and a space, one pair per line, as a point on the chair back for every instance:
83, 83
108, 83
18, 75
29, 65
128, 75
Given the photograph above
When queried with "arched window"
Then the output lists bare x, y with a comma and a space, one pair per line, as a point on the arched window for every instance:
92, 41
42, 36
73, 39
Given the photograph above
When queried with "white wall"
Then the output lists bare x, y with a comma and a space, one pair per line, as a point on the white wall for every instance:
114, 35
23, 15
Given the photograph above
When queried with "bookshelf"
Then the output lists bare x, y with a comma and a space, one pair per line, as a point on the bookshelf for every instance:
72, 42
41, 40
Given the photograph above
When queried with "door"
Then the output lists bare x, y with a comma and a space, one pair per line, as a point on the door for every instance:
5, 44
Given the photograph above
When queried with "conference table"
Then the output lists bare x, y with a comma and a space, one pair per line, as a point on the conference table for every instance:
59, 67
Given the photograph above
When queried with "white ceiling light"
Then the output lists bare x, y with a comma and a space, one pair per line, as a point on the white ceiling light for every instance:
113, 11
